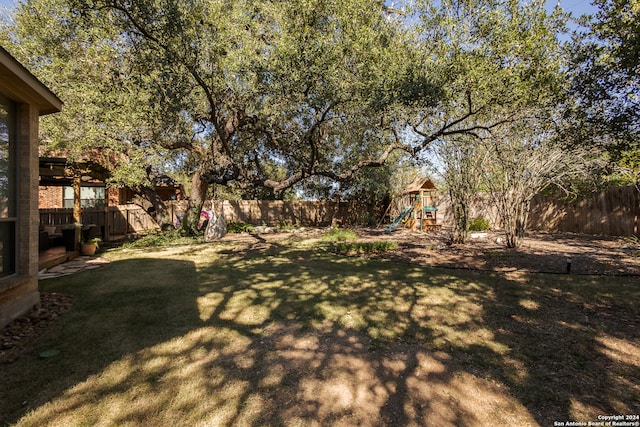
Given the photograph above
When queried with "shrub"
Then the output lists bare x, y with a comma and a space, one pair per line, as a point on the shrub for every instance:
239, 227
365, 247
336, 234
284, 226
158, 239
479, 224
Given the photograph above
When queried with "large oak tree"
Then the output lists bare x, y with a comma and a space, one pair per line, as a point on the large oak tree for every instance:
272, 93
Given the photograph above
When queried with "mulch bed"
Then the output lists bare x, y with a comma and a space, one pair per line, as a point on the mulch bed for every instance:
19, 334
539, 252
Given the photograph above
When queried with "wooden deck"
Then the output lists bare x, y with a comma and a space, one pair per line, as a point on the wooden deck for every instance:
55, 256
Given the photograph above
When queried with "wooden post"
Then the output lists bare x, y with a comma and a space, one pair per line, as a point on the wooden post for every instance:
77, 206
422, 210
106, 215
173, 213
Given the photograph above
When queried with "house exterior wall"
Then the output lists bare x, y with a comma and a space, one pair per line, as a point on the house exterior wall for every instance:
125, 195
19, 290
114, 195
49, 197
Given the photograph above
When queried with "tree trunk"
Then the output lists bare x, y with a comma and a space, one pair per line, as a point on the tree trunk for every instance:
155, 207
460, 209
510, 237
509, 223
515, 219
521, 221
197, 197
461, 221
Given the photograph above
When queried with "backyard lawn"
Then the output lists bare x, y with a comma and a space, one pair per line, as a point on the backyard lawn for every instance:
287, 333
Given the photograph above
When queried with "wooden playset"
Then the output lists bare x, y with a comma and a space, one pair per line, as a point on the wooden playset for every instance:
415, 208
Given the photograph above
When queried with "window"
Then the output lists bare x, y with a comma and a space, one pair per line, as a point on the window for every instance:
7, 188
90, 197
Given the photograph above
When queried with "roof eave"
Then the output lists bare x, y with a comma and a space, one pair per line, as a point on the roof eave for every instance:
22, 86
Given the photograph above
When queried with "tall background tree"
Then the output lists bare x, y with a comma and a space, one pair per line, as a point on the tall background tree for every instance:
521, 161
605, 72
502, 62
459, 161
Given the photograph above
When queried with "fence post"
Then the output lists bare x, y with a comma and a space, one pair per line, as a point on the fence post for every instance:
105, 221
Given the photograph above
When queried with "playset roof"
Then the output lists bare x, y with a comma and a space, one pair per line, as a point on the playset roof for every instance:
419, 184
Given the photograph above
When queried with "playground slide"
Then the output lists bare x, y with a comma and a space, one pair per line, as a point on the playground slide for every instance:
399, 219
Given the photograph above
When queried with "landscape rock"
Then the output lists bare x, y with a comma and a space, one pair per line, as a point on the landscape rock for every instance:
19, 334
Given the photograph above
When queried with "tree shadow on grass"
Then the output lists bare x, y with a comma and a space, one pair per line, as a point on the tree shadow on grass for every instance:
576, 341
118, 310
288, 335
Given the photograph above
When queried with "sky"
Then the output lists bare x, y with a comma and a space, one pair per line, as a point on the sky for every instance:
8, 3
576, 7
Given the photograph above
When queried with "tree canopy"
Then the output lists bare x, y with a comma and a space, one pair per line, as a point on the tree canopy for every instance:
605, 75
264, 93
273, 93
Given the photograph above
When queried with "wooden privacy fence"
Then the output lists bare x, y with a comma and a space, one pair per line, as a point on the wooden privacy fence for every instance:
115, 222
612, 212
275, 213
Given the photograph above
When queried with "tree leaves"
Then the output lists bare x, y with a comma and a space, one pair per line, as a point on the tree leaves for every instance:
605, 74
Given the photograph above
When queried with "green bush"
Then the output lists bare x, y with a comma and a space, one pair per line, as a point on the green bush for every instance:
365, 247
159, 239
479, 224
336, 234
284, 226
239, 227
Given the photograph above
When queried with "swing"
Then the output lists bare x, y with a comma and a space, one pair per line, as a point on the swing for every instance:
217, 226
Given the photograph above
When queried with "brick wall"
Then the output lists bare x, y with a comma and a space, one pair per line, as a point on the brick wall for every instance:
50, 197
114, 196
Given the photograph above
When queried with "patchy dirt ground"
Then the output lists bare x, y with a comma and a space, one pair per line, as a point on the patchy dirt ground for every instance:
540, 252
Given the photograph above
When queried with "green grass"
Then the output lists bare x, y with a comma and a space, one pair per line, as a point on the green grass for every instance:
339, 235
290, 334
364, 247
160, 238
479, 224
